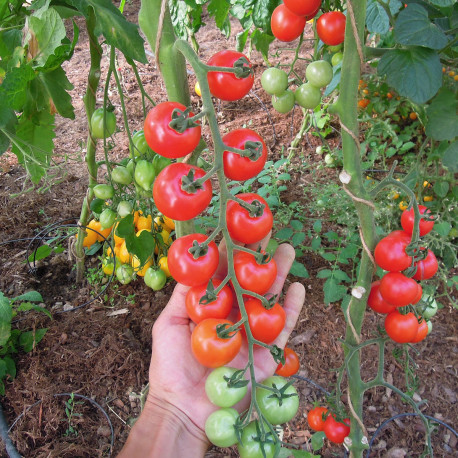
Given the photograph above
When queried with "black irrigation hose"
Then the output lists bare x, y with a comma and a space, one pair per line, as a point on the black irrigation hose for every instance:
263, 105
4, 430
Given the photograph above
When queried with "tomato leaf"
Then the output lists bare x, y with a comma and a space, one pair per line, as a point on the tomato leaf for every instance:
333, 292
97, 205
450, 157
442, 119
26, 306
32, 296
261, 41
56, 84
317, 440
41, 252
13, 91
219, 9
6, 314
29, 339
415, 72
299, 270
377, 19
93, 249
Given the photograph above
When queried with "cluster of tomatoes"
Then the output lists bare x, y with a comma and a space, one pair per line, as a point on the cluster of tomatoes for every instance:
320, 419
396, 290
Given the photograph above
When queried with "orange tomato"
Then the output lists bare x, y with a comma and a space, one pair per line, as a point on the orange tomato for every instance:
363, 103
123, 254
413, 116
135, 263
144, 222
164, 265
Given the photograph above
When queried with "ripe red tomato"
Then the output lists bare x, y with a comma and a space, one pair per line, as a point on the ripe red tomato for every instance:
335, 431
291, 365
188, 270
246, 228
315, 418
422, 332
399, 290
401, 328
376, 302
390, 254
252, 276
165, 140
172, 200
303, 7
237, 167
286, 26
407, 220
209, 349
400, 234
426, 268
226, 86
219, 308
330, 27
265, 325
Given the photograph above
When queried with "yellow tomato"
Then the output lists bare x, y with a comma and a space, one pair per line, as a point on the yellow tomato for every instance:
91, 236
137, 214
170, 224
123, 254
403, 205
107, 266
118, 240
135, 263
452, 73
164, 265
144, 222
165, 235
197, 89
426, 184
428, 198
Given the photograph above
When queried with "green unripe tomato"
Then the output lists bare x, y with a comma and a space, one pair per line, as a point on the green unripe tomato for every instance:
124, 273
335, 48
274, 81
219, 392
336, 58
319, 73
283, 102
107, 218
307, 96
160, 163
219, 427
124, 208
97, 129
121, 175
131, 167
329, 160
430, 326
428, 307
250, 447
140, 145
155, 278
103, 191
144, 174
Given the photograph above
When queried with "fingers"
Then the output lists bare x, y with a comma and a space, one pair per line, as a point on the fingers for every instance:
176, 307
284, 257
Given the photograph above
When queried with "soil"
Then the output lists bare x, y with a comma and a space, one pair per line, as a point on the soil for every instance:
101, 351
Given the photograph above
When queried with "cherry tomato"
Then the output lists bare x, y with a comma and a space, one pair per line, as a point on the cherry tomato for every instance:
224, 85
319, 73
140, 147
246, 228
426, 268
376, 302
219, 389
277, 410
252, 276
172, 200
401, 328
336, 59
124, 273
252, 445
422, 332
399, 290
211, 350
274, 80
303, 7
286, 26
155, 278
103, 191
237, 167
335, 430
315, 418
144, 174
363, 103
407, 220
219, 427
390, 254
107, 218
97, 127
219, 308
307, 96
165, 140
330, 27
121, 175
291, 365
283, 102
265, 324
124, 208
185, 268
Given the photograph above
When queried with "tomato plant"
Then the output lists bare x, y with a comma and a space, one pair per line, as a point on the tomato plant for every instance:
390, 253
399, 290
316, 418
407, 220
330, 27
97, 123
291, 365
335, 430
224, 388
401, 328
286, 26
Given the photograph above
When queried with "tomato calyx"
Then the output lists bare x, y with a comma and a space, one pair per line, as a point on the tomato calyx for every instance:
210, 295
242, 67
198, 249
226, 331
277, 353
237, 379
279, 393
252, 150
181, 120
189, 184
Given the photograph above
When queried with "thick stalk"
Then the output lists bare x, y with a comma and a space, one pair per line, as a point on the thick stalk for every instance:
346, 107
172, 65
89, 105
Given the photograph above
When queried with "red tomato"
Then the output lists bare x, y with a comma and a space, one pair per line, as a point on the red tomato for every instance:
422, 332
390, 254
401, 328
303, 7
265, 325
407, 219
252, 276
237, 167
400, 234
335, 431
209, 349
315, 418
188, 270
286, 26
246, 228
426, 268
330, 27
399, 290
376, 302
291, 365
172, 200
219, 308
224, 85
165, 140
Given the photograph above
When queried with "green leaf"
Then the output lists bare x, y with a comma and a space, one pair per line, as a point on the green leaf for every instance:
97, 205
241, 39
441, 188
316, 243
413, 28
6, 314
262, 13
442, 121
298, 238
57, 85
32, 296
332, 236
13, 92
93, 249
443, 228
335, 80
8, 122
41, 252
325, 273
329, 256
443, 3
341, 275
299, 270
284, 234
26, 306
296, 225
9, 40
317, 440
29, 339
450, 157
2, 388
219, 9
377, 21
10, 366
333, 292
317, 226
261, 41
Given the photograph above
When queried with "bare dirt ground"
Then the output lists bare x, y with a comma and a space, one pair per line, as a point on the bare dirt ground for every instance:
104, 356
